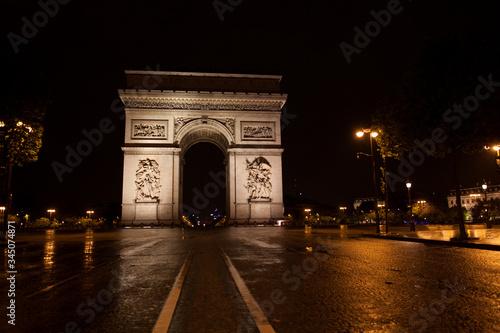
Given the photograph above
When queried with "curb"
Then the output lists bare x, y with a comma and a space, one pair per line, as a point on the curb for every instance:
490, 247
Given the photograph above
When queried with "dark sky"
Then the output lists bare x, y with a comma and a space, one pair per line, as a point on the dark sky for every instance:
85, 47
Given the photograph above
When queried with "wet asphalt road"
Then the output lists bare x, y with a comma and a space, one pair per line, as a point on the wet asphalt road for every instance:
314, 281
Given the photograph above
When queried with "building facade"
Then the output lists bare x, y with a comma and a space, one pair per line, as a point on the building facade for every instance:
470, 196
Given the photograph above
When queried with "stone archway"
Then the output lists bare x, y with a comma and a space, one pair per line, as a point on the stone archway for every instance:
240, 114
207, 131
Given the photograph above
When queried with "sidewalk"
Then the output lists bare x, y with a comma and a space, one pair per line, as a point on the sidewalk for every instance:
481, 238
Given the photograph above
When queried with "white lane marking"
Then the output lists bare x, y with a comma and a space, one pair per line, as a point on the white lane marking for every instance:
256, 312
163, 322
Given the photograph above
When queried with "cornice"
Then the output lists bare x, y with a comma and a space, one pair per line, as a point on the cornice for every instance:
201, 104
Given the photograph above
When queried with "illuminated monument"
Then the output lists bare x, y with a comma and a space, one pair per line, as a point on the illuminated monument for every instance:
168, 112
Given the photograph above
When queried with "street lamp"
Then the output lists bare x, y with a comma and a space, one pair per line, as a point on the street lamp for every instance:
412, 224
90, 212
50, 211
485, 188
372, 134
497, 158
2, 212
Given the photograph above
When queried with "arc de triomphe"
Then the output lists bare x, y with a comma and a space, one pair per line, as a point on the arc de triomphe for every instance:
168, 112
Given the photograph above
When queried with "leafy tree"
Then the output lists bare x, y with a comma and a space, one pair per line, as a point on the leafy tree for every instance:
480, 212
430, 213
327, 220
44, 223
437, 110
484, 211
24, 102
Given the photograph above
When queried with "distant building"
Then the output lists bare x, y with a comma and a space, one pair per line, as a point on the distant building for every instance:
470, 196
359, 201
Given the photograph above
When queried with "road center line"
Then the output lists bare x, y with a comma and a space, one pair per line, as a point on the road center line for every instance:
254, 308
163, 322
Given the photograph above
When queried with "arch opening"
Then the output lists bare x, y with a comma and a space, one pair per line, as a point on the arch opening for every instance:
204, 130
204, 183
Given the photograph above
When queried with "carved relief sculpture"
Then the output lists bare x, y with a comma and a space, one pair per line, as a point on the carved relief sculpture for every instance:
259, 179
229, 123
147, 180
180, 122
149, 129
258, 132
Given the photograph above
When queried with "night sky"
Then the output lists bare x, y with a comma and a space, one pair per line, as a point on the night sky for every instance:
85, 47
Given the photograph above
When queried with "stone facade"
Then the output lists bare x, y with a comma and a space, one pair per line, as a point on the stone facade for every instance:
240, 114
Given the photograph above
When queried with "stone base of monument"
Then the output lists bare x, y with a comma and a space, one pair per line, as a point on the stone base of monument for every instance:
146, 212
260, 209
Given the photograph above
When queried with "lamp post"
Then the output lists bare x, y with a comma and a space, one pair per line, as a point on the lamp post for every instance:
489, 225
497, 158
372, 134
50, 211
90, 212
3, 235
485, 188
386, 206
412, 224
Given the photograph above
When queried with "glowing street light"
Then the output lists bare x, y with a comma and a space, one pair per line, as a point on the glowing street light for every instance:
90, 212
373, 134
3, 230
50, 211
497, 158
412, 224
485, 188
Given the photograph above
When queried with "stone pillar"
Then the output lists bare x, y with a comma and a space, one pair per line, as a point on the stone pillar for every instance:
164, 206
249, 204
